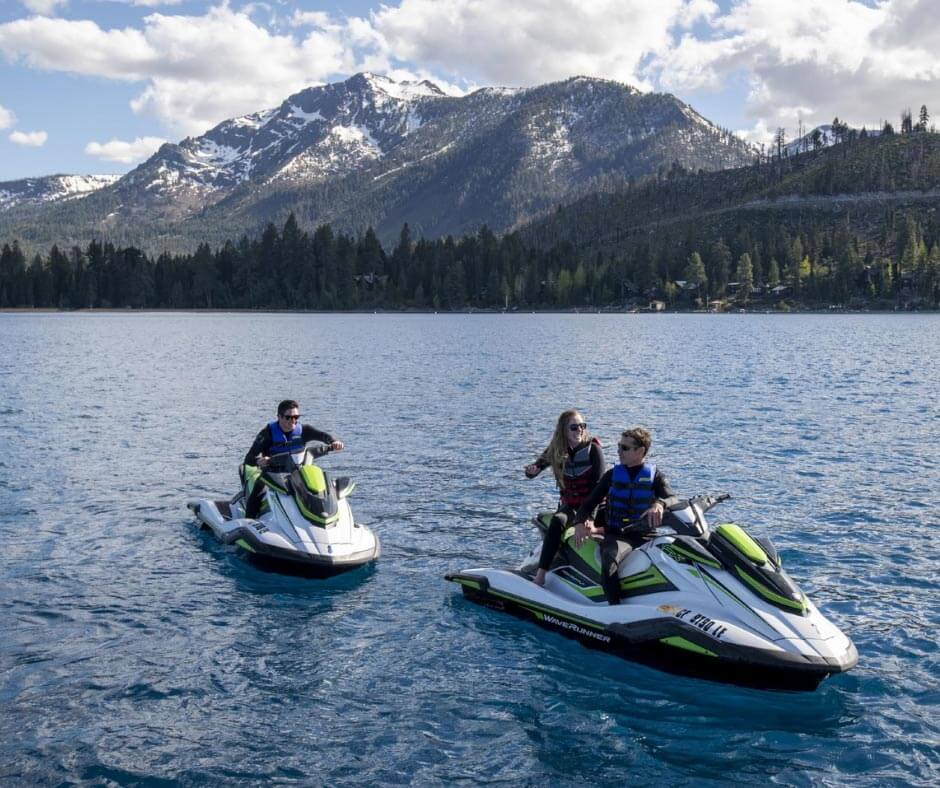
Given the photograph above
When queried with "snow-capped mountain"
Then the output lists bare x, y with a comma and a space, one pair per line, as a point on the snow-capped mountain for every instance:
822, 137
370, 151
316, 134
52, 188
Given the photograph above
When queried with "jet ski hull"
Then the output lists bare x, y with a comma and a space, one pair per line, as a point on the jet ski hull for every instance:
248, 536
663, 642
294, 562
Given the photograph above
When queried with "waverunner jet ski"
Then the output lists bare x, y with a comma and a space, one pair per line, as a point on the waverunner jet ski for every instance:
305, 526
700, 600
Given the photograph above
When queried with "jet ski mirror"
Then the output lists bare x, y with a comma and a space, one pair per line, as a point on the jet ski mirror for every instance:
344, 486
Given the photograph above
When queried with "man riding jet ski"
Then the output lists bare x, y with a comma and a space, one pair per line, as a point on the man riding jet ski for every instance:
302, 521
693, 599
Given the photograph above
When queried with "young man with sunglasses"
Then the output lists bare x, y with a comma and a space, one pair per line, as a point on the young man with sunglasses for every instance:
285, 435
635, 489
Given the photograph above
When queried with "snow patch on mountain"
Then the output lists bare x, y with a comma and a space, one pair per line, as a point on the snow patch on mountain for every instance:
306, 117
52, 188
211, 153
403, 91
405, 166
254, 121
821, 137
550, 139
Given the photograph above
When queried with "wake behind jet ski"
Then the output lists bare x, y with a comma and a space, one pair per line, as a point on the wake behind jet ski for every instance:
306, 525
698, 600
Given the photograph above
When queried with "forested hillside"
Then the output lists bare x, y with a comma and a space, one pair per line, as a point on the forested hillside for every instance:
855, 225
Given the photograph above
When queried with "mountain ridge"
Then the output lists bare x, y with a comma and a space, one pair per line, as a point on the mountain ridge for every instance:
370, 151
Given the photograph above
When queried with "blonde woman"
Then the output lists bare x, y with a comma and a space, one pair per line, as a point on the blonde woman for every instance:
577, 462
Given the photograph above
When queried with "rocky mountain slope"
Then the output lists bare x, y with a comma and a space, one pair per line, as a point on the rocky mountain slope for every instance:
373, 152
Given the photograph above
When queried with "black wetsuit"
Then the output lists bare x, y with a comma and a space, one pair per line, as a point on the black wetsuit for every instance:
616, 546
565, 512
262, 445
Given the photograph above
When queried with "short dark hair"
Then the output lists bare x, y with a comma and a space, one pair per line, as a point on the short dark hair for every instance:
285, 405
640, 435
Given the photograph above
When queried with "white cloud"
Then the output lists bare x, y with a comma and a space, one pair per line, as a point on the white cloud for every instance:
533, 42
199, 70
7, 118
31, 139
815, 60
142, 3
45, 7
858, 59
312, 18
125, 152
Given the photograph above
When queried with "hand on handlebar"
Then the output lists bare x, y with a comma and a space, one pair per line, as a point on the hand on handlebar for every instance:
583, 531
654, 515
263, 461
336, 446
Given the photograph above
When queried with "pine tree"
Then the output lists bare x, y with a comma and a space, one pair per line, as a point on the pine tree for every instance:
695, 274
721, 266
907, 125
773, 273
745, 276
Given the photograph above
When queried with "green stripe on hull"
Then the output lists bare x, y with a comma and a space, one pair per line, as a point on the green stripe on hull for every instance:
539, 610
769, 595
737, 536
648, 577
587, 552
244, 545
688, 645
679, 553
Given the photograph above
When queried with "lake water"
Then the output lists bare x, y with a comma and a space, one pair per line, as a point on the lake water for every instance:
137, 651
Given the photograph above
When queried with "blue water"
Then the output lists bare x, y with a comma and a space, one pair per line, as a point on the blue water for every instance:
135, 650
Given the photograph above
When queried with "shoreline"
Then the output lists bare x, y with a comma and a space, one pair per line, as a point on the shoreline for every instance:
469, 311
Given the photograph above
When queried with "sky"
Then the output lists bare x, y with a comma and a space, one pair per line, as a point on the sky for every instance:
95, 86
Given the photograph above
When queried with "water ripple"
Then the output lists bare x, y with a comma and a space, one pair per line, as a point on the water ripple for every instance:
138, 651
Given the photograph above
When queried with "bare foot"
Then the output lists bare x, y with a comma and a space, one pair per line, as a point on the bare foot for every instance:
539, 579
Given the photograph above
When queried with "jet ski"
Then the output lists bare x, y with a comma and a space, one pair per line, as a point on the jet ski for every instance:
305, 526
702, 600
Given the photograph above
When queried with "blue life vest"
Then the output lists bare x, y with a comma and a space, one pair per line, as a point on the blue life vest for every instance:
283, 443
626, 499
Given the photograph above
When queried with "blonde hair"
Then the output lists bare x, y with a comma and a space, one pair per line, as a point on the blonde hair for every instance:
557, 452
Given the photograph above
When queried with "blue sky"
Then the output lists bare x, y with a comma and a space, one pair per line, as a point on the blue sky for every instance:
94, 86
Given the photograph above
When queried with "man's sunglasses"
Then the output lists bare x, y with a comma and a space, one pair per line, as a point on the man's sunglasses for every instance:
291, 418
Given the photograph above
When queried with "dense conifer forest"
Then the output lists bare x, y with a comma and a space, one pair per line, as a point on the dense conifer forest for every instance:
852, 226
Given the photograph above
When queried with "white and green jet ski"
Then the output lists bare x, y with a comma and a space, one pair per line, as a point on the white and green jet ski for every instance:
305, 527
699, 600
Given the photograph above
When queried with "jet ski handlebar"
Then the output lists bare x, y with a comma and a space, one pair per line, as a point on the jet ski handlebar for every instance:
319, 450
706, 502
283, 462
